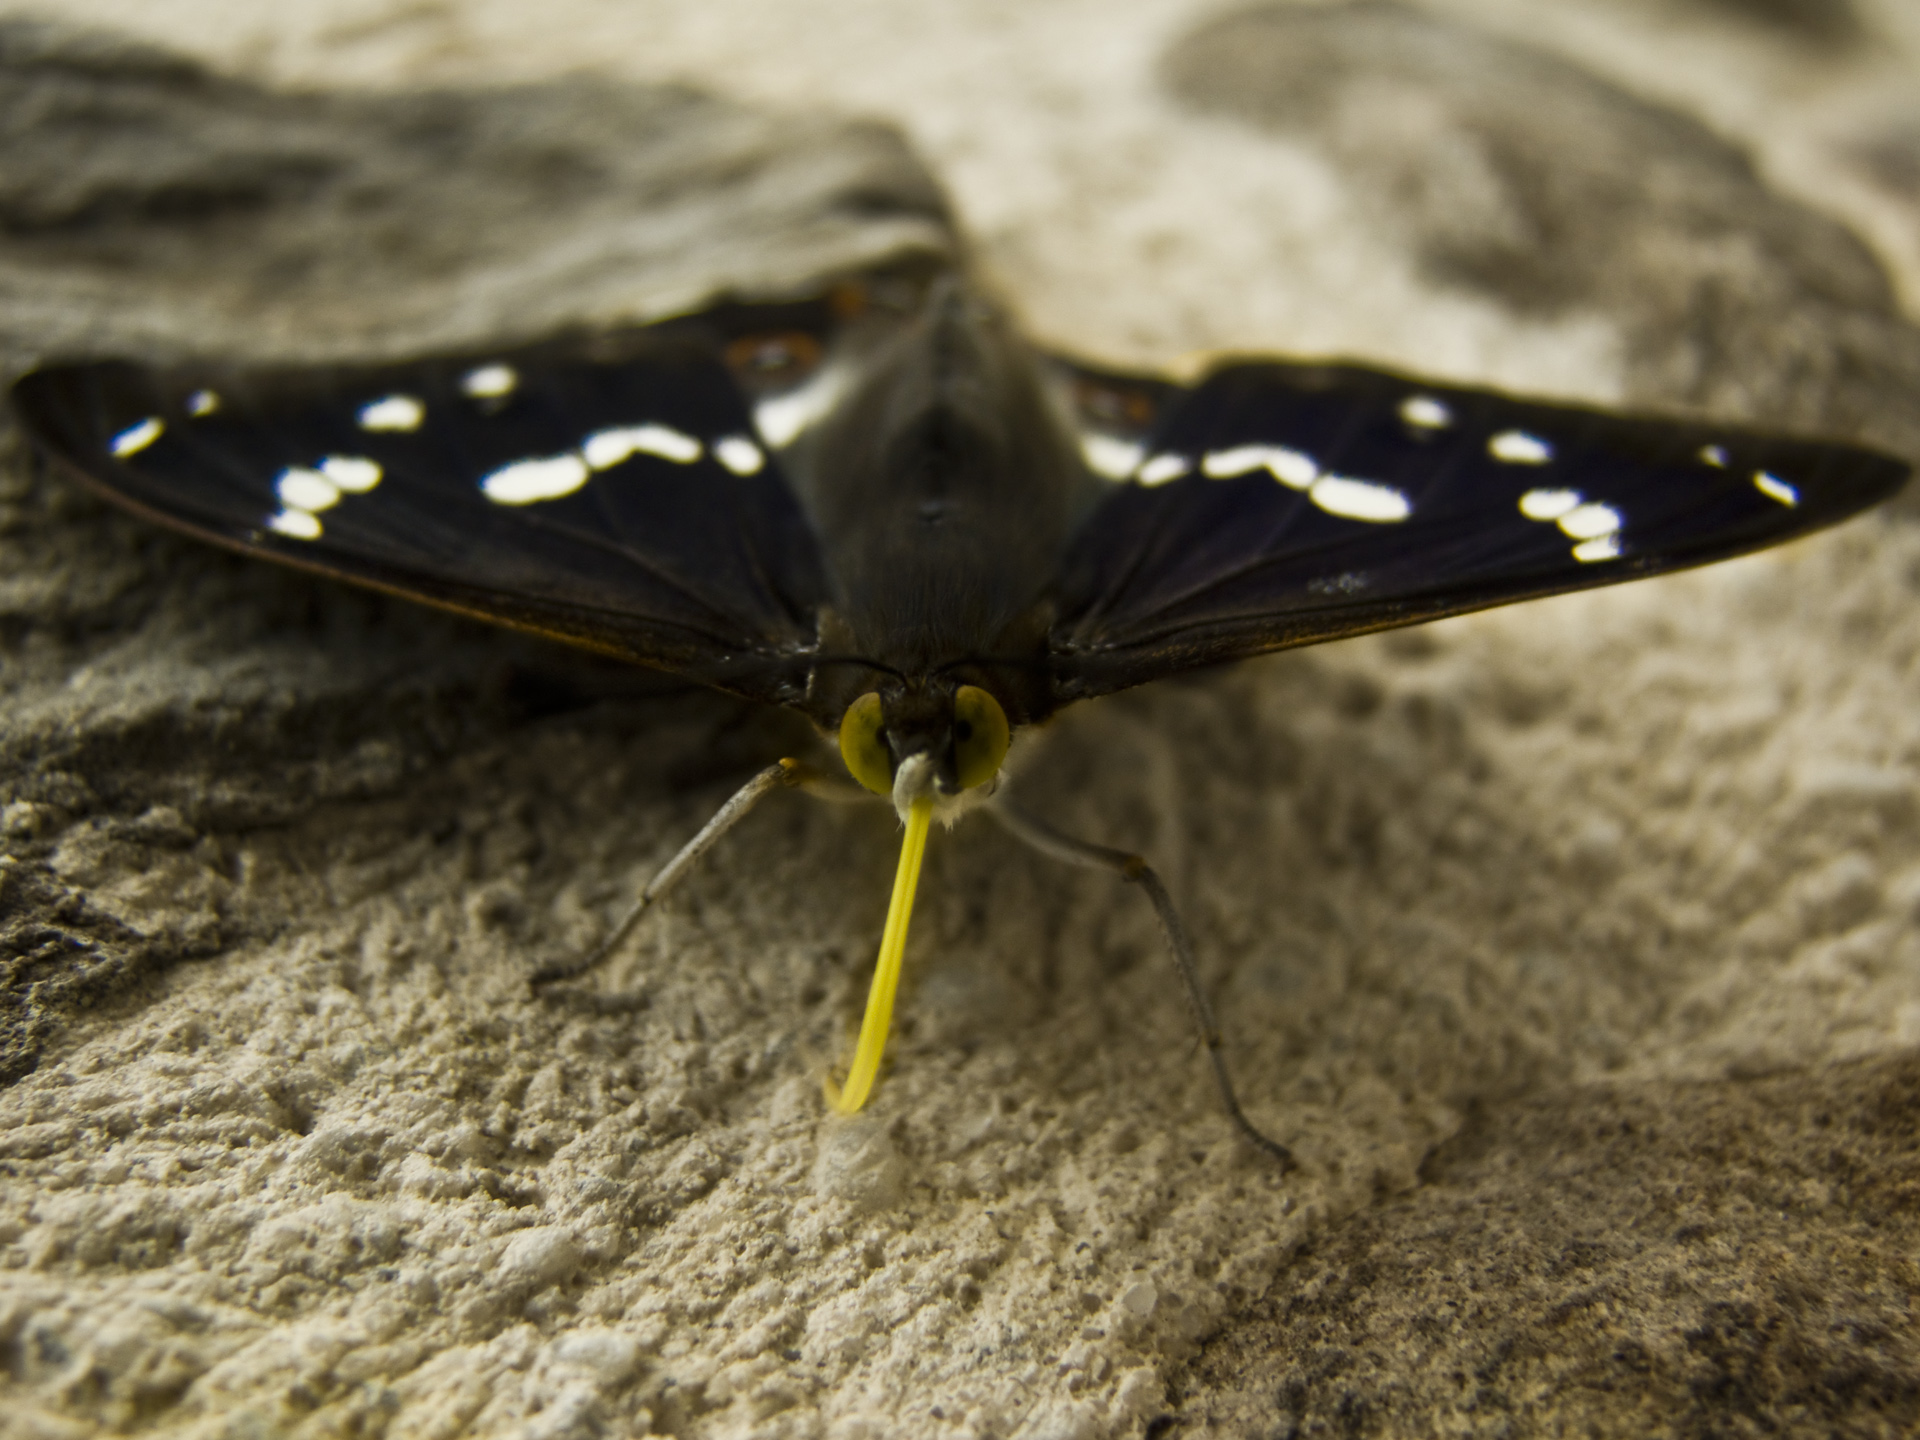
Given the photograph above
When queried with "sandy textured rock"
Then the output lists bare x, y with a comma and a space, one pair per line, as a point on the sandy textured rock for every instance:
1719, 1258
1573, 947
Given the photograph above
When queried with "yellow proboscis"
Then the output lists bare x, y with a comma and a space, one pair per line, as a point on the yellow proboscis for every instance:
886, 971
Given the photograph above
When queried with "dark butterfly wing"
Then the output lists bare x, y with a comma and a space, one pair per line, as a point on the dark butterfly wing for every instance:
1276, 505
611, 491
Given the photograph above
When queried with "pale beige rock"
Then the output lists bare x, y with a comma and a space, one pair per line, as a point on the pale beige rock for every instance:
299, 1155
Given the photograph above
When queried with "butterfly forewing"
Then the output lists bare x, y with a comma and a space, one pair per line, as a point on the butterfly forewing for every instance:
650, 492
611, 491
1276, 505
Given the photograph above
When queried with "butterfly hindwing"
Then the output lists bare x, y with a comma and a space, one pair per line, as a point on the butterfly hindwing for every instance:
611, 491
1277, 504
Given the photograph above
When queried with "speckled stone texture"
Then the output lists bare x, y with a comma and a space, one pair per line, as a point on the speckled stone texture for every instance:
1571, 946
1722, 1258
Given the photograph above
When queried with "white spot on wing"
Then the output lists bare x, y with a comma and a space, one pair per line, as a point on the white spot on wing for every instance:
1775, 488
297, 524
1548, 504
1714, 455
606, 448
303, 489
202, 402
1425, 413
781, 418
393, 412
1226, 464
490, 382
1359, 499
1162, 468
1293, 469
739, 454
1289, 467
526, 481
1115, 459
1589, 522
1602, 547
135, 438
353, 473
1516, 447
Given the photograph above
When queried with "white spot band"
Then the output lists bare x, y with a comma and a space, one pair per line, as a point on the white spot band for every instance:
1162, 468
739, 454
606, 448
1775, 488
1359, 499
135, 438
353, 473
1115, 459
526, 481
490, 382
1516, 447
301, 489
781, 418
296, 524
1589, 522
394, 412
1548, 504
1291, 468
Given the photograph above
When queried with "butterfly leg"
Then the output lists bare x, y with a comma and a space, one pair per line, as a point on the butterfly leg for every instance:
784, 775
1136, 871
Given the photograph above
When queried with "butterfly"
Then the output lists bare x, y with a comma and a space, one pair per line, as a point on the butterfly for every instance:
879, 506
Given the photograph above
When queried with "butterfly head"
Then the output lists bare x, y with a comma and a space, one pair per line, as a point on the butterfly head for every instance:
933, 740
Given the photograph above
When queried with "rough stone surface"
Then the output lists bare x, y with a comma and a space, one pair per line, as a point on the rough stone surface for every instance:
150, 206
1572, 946
1709, 1259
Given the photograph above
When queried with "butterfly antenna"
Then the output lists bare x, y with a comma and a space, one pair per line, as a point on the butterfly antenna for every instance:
1133, 869
775, 777
886, 971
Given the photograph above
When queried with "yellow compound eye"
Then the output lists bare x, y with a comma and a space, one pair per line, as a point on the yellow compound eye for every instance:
864, 747
979, 736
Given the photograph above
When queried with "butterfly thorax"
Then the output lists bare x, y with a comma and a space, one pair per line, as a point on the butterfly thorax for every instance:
943, 490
